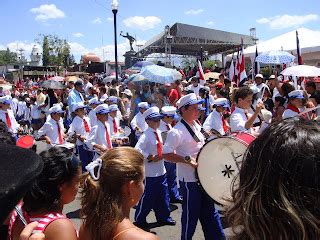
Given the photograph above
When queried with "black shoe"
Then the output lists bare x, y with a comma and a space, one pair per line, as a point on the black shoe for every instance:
177, 200
169, 222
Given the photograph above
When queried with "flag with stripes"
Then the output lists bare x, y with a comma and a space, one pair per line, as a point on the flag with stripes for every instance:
242, 75
201, 73
231, 70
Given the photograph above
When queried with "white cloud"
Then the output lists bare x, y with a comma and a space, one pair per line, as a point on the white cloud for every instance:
47, 11
78, 34
193, 11
142, 23
109, 19
25, 45
210, 23
96, 21
287, 21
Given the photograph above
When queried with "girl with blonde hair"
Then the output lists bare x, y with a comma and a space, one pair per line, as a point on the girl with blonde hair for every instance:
112, 186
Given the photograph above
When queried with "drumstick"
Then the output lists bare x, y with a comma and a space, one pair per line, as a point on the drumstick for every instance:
308, 110
20, 214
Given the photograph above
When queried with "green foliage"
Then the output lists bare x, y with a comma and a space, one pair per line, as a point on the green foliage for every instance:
56, 52
7, 57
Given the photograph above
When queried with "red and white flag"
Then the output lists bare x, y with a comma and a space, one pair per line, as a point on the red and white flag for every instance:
201, 73
242, 75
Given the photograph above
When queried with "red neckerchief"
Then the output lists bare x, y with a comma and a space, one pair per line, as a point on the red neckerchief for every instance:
293, 108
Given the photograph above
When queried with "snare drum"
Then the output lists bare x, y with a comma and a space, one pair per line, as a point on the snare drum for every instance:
25, 142
219, 162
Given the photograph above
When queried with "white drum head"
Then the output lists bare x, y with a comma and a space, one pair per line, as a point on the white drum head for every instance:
218, 165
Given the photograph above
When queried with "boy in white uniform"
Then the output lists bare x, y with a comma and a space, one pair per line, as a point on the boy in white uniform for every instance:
156, 195
138, 123
93, 103
216, 121
168, 114
7, 116
113, 120
99, 139
53, 129
81, 127
295, 102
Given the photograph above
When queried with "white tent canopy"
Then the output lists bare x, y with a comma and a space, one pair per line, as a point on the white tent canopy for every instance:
309, 42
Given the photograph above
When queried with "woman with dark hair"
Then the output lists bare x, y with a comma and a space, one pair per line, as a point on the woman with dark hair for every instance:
56, 186
278, 193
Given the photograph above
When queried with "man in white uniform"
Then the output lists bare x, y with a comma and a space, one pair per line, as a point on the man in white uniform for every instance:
182, 145
7, 116
295, 102
138, 123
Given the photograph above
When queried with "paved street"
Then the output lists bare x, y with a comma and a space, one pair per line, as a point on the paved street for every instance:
164, 232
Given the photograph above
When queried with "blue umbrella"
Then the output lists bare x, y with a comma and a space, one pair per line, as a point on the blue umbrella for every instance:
136, 78
159, 74
141, 64
275, 57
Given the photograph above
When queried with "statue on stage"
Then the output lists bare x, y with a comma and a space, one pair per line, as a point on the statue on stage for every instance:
130, 38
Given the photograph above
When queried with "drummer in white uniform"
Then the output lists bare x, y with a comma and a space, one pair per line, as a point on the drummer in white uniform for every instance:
99, 139
138, 123
216, 121
156, 195
241, 120
168, 114
93, 103
53, 129
81, 127
182, 145
7, 116
295, 102
113, 120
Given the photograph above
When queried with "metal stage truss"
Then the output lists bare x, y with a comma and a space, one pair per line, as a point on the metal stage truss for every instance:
184, 39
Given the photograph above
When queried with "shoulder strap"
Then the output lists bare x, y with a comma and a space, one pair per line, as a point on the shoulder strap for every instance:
194, 136
46, 220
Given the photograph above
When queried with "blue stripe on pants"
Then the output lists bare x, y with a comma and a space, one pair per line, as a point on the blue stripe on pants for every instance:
197, 205
172, 180
156, 197
85, 156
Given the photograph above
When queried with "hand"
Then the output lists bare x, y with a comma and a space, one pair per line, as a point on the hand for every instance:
102, 149
26, 233
48, 141
259, 106
157, 158
193, 163
81, 138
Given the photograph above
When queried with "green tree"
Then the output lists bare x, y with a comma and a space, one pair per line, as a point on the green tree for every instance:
7, 57
45, 51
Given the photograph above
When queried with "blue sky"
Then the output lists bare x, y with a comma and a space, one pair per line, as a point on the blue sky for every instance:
88, 24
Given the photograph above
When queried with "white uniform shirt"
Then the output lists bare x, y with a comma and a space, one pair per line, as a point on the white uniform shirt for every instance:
110, 121
27, 114
180, 141
147, 145
35, 112
50, 129
93, 117
238, 120
194, 89
21, 106
86, 87
14, 124
288, 113
164, 127
97, 135
77, 126
14, 105
214, 121
139, 121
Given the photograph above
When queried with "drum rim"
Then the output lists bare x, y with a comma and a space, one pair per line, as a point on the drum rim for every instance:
196, 170
26, 137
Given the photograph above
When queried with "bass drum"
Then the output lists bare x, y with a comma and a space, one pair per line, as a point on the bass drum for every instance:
219, 162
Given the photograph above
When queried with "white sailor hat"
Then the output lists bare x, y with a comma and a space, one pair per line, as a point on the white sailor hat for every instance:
6, 99
127, 92
94, 101
103, 98
113, 99
102, 109
151, 113
201, 108
56, 108
296, 94
254, 89
188, 99
168, 110
221, 102
77, 106
144, 105
259, 75
113, 107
